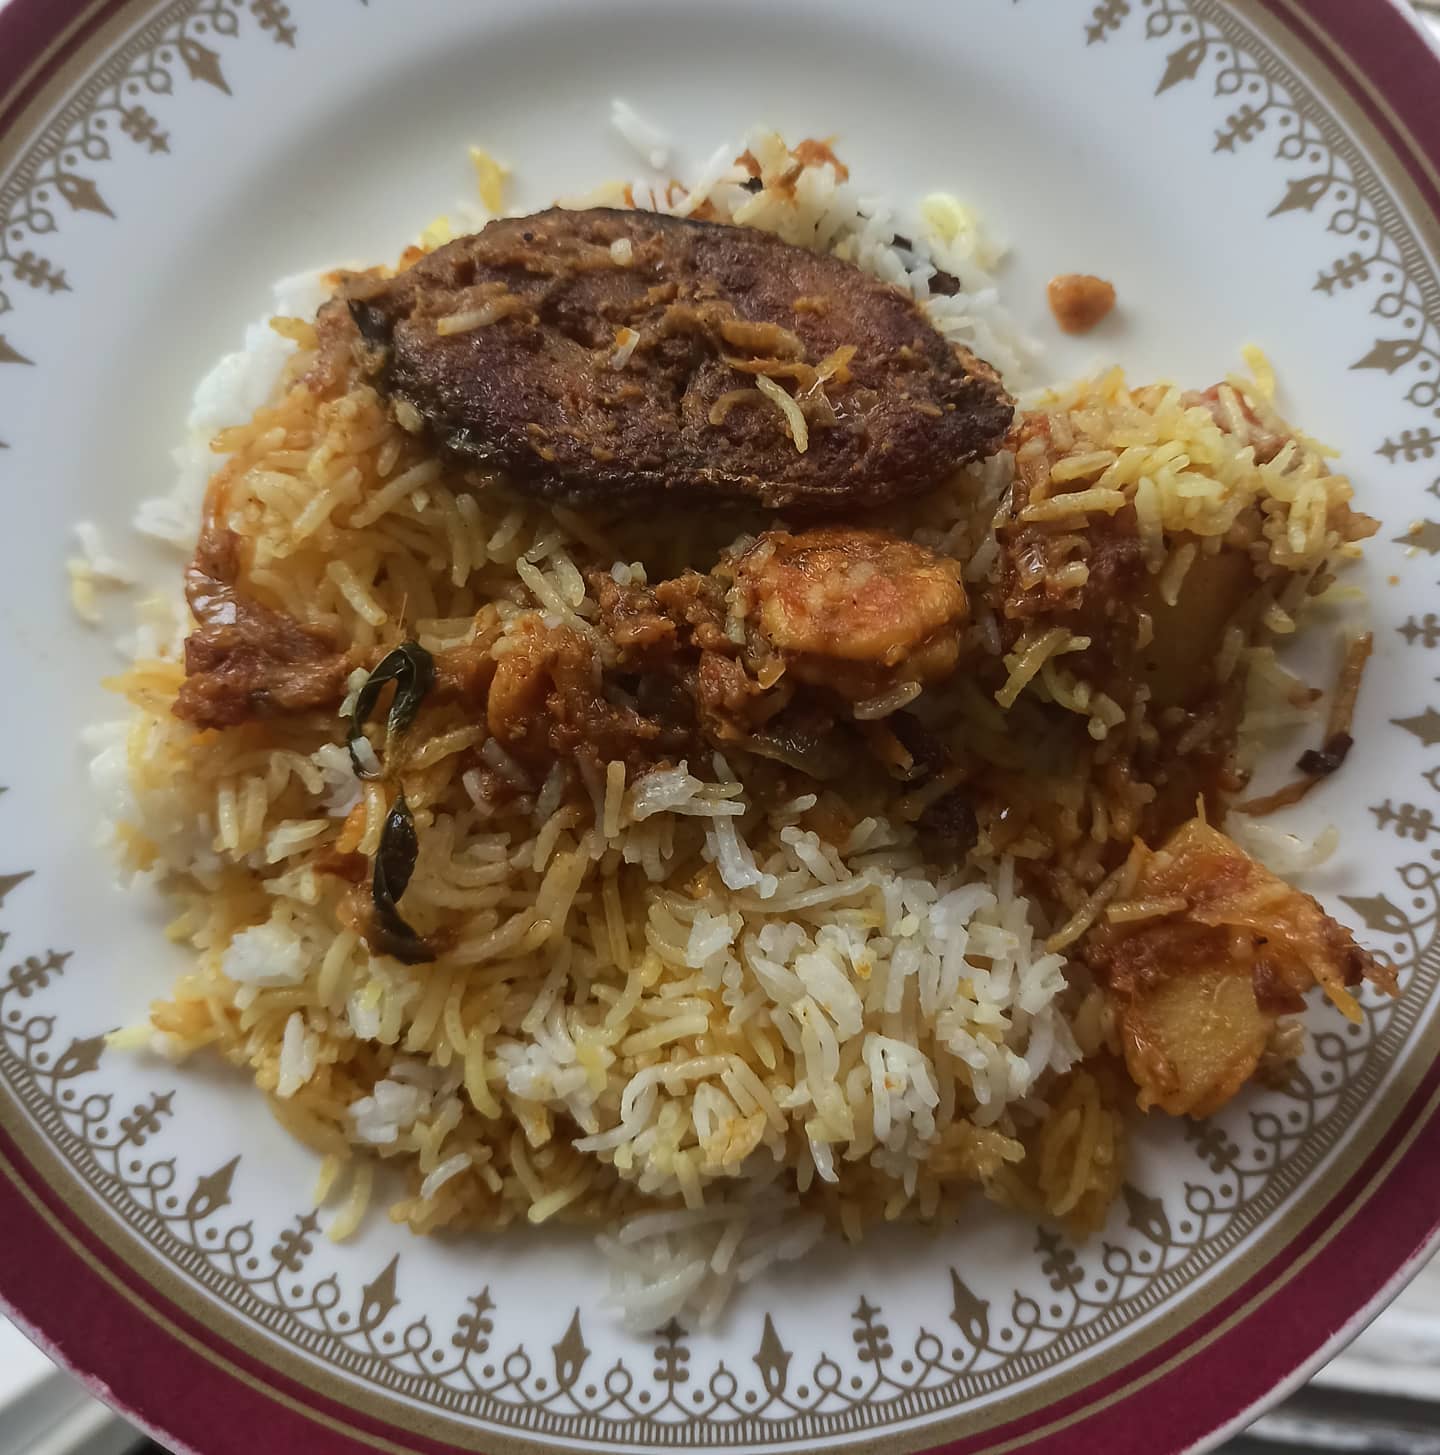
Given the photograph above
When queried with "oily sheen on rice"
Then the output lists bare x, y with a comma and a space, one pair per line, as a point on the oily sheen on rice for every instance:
706, 1022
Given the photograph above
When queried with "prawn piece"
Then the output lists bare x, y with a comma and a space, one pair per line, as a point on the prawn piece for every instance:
857, 611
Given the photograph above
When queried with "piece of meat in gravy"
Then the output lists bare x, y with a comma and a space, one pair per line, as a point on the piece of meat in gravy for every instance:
771, 652
245, 660
607, 356
768, 653
548, 701
650, 626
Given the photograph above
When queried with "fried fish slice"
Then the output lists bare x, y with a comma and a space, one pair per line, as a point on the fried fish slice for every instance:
606, 357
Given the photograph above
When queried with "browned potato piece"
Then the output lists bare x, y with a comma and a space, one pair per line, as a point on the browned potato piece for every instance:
1203, 957
546, 701
1178, 665
1192, 1043
1296, 944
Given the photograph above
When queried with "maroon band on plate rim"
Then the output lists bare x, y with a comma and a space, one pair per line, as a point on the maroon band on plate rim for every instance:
169, 1373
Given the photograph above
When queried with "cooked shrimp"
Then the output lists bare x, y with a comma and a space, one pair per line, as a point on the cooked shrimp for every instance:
858, 611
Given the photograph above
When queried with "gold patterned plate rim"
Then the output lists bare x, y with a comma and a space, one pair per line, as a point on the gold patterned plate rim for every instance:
202, 1299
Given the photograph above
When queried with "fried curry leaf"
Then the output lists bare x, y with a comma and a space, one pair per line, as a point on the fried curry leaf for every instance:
412, 669
394, 864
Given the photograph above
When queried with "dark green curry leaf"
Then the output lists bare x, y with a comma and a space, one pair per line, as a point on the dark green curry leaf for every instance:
394, 864
412, 669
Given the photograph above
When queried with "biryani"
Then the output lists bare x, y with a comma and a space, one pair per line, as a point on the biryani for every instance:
658, 740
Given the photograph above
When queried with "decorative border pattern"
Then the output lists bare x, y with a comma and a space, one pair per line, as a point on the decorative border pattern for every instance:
57, 177
1326, 176
471, 1370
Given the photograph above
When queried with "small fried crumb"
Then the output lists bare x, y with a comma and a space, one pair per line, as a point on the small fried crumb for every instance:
1079, 301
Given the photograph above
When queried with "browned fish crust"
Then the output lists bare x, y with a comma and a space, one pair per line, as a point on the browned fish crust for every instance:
509, 345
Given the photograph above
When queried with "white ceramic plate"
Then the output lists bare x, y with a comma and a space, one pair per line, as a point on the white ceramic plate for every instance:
1246, 172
